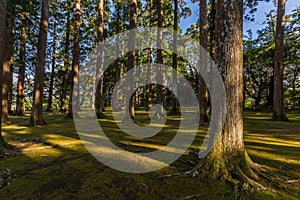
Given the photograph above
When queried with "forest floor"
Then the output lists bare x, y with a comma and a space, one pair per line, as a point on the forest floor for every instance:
52, 163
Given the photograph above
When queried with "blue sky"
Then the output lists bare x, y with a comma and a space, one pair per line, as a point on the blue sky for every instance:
260, 16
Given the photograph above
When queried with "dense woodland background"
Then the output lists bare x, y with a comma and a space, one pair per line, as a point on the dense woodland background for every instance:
44, 43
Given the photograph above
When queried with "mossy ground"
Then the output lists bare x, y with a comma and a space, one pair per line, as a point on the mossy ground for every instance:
52, 162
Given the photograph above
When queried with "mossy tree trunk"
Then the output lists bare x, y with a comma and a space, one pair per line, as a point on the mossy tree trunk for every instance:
228, 158
278, 106
37, 107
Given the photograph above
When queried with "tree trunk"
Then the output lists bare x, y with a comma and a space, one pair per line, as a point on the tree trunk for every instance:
3, 7
99, 96
20, 107
149, 60
159, 70
49, 106
212, 26
278, 106
202, 88
129, 104
228, 157
37, 107
63, 97
8, 58
74, 90
175, 103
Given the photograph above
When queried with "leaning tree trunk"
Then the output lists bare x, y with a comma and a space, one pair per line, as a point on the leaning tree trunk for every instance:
8, 58
202, 88
278, 106
63, 96
159, 70
74, 91
3, 6
37, 107
129, 78
99, 96
50, 98
228, 157
20, 107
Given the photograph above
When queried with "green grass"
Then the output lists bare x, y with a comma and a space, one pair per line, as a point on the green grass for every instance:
61, 168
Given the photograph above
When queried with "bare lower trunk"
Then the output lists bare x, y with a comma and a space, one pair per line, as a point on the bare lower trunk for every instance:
278, 106
37, 107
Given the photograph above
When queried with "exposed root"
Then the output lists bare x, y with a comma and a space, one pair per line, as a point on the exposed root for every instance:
246, 179
243, 173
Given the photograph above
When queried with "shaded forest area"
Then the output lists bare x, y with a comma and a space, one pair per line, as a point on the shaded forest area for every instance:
43, 48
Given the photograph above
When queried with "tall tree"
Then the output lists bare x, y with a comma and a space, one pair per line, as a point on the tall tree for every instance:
20, 107
37, 107
99, 96
149, 60
159, 70
175, 106
50, 97
3, 7
278, 106
131, 45
74, 91
63, 96
202, 88
8, 58
228, 157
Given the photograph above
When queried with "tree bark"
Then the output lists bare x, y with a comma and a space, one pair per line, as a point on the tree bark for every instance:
159, 70
63, 97
175, 103
37, 107
8, 58
278, 106
20, 107
228, 156
49, 106
202, 88
99, 96
3, 7
74, 90
149, 60
129, 101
